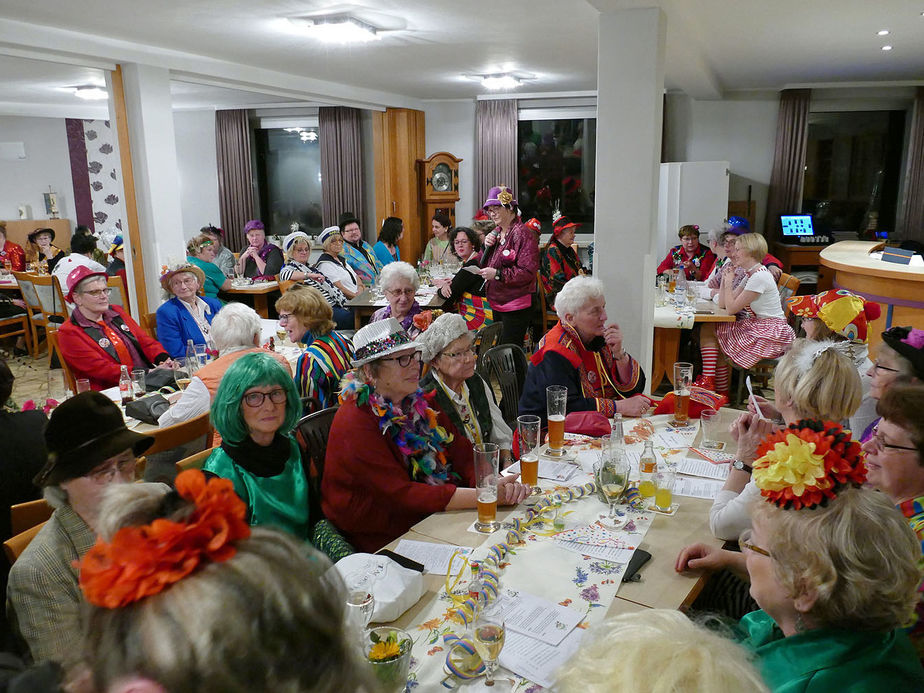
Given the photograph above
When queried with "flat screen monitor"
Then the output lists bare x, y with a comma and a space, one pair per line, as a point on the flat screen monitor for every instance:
797, 225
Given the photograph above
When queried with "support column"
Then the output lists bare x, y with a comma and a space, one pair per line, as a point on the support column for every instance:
630, 85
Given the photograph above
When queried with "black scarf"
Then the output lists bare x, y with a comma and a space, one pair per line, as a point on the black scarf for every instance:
259, 460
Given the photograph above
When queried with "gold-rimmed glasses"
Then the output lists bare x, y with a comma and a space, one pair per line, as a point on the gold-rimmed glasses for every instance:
744, 543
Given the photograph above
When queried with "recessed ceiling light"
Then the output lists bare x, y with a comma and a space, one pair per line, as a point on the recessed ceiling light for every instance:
91, 92
887, 48
338, 28
883, 32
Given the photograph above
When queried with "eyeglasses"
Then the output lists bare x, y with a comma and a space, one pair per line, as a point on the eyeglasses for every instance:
401, 292
256, 399
880, 445
108, 473
284, 318
404, 361
459, 354
96, 293
744, 543
879, 367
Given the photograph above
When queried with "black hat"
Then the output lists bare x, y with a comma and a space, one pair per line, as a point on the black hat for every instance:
348, 218
909, 343
32, 236
83, 431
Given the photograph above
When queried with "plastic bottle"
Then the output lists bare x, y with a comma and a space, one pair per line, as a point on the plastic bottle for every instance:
648, 468
126, 390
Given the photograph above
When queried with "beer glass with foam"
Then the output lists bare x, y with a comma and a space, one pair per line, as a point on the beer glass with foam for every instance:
556, 397
683, 379
529, 426
487, 458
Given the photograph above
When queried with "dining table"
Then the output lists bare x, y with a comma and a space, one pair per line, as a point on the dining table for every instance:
258, 291
534, 559
365, 304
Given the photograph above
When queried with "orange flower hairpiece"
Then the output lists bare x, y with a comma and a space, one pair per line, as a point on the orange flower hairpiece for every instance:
807, 463
142, 561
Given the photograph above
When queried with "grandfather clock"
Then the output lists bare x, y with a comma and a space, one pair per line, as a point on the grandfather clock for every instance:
439, 188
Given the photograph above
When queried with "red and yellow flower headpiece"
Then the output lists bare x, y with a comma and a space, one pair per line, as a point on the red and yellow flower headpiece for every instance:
143, 561
807, 463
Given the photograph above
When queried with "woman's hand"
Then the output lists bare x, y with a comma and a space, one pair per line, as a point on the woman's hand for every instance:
749, 431
317, 276
636, 405
706, 557
766, 408
612, 335
489, 272
510, 491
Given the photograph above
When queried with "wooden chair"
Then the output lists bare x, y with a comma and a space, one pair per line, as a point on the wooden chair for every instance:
788, 286
51, 299
547, 316
15, 545
36, 317
149, 324
194, 461
506, 365
312, 432
285, 284
54, 349
118, 297
28, 514
180, 434
18, 326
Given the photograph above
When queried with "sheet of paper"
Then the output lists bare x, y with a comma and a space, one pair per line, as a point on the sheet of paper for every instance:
605, 553
536, 617
434, 557
696, 487
535, 660
677, 438
702, 468
556, 471
474, 269
588, 458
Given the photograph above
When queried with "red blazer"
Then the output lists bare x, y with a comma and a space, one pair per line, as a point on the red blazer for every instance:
87, 359
366, 490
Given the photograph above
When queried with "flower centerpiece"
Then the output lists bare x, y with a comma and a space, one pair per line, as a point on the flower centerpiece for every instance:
388, 652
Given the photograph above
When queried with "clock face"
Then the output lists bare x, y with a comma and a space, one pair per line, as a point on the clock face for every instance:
442, 178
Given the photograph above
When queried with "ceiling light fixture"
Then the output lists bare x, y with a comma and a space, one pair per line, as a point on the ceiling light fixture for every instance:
501, 81
90, 92
338, 28
887, 48
882, 32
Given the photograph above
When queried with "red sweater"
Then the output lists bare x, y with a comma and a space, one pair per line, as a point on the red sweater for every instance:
366, 490
87, 359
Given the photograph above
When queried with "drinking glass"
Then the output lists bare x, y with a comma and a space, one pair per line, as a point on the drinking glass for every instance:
182, 377
612, 477
359, 607
487, 457
58, 386
488, 639
202, 355
672, 280
138, 384
690, 292
529, 427
711, 430
556, 397
662, 290
83, 385
683, 378
664, 493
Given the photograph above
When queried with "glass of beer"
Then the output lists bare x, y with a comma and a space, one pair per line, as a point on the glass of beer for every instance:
672, 280
556, 397
529, 427
683, 379
487, 458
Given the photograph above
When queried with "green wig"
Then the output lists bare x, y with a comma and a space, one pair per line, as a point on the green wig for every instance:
251, 370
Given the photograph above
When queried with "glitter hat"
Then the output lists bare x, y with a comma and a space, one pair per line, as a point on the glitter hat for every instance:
841, 311
380, 338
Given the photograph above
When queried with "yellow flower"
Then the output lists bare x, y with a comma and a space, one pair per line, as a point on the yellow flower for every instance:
384, 650
792, 464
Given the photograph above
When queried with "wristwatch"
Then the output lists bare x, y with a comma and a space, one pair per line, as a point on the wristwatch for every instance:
738, 464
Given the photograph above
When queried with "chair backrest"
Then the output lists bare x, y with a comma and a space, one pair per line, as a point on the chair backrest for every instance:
194, 461
788, 286
312, 432
506, 366
179, 434
50, 296
28, 514
284, 284
54, 349
15, 545
546, 313
118, 297
488, 338
27, 289
149, 323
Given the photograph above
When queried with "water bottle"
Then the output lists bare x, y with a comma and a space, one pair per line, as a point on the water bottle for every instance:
617, 436
648, 468
126, 391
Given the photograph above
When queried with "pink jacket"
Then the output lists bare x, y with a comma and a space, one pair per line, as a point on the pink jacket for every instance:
518, 261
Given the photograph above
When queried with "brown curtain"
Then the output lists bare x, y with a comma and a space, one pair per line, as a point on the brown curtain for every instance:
496, 135
341, 162
912, 210
785, 195
235, 178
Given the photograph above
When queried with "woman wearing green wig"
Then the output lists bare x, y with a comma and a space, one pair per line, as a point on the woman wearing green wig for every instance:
255, 409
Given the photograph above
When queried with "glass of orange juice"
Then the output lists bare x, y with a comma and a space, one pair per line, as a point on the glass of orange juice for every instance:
528, 427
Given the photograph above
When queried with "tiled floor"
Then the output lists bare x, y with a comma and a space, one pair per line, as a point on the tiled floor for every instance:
33, 379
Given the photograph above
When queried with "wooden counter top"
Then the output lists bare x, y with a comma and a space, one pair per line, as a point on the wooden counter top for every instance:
853, 256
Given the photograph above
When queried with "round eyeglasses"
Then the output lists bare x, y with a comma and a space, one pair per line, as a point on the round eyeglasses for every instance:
256, 399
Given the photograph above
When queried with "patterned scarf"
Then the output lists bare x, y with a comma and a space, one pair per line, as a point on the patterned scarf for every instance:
407, 322
412, 426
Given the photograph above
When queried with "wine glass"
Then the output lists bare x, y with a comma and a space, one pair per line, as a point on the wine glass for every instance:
360, 605
488, 639
613, 479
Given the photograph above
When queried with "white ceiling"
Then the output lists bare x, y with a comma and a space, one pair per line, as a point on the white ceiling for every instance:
713, 46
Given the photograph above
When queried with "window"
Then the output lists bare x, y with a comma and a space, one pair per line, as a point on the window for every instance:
556, 170
852, 167
288, 173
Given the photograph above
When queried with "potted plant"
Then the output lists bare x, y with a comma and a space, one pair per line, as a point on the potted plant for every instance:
388, 651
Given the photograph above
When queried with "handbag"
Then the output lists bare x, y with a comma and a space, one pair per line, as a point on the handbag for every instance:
156, 378
476, 310
147, 409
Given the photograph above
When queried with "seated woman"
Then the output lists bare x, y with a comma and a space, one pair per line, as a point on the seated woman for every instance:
558, 263
359, 254
584, 353
333, 265
200, 251
185, 315
261, 259
224, 258
840, 316
89, 449
813, 380
255, 409
273, 603
297, 247
41, 250
399, 282
98, 339
12, 256
439, 247
833, 567
386, 248
762, 333
398, 459
694, 259
465, 245
236, 331
447, 345
306, 317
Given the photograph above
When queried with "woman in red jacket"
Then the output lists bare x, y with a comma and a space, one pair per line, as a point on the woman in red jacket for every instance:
393, 457
99, 339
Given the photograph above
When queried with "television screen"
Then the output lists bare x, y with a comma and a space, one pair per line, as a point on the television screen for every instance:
797, 224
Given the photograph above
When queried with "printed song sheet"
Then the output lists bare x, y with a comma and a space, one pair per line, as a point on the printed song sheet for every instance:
702, 468
694, 487
535, 660
536, 617
434, 557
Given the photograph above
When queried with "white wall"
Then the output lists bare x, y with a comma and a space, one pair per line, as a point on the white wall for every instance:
197, 169
451, 128
47, 163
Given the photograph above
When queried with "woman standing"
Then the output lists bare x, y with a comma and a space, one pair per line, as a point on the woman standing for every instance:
333, 265
261, 259
186, 315
559, 262
41, 249
359, 254
509, 263
200, 251
386, 249
438, 248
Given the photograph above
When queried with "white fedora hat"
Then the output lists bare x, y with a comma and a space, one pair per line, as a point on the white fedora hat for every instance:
380, 338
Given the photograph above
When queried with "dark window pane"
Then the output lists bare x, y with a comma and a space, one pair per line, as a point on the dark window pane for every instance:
289, 179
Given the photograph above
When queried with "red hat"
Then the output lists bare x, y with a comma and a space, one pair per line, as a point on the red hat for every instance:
562, 224
535, 225
481, 215
78, 275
